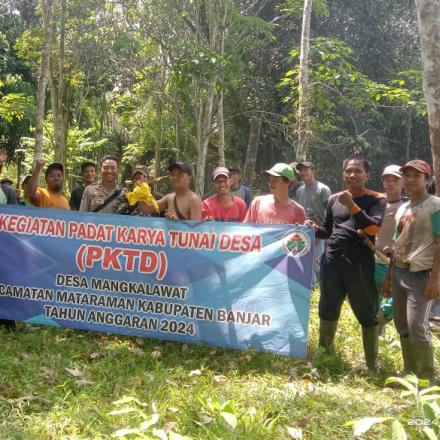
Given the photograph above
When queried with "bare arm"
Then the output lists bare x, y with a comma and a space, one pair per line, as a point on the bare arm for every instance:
195, 208
33, 181
432, 290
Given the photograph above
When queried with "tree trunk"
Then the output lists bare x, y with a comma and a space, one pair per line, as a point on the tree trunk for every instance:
59, 112
252, 149
303, 87
428, 17
221, 131
47, 9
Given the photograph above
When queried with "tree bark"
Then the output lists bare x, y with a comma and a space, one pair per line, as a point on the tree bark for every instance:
47, 10
60, 111
252, 149
428, 17
303, 87
221, 131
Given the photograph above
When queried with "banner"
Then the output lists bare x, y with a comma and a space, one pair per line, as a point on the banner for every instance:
226, 284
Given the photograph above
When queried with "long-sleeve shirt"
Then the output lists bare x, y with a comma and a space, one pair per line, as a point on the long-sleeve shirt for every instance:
340, 225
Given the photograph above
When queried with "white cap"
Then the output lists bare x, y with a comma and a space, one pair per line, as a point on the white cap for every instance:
392, 170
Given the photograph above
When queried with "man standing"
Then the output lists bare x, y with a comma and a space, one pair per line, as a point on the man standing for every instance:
392, 183
415, 274
52, 195
223, 206
88, 173
182, 204
347, 267
313, 196
237, 187
277, 207
105, 196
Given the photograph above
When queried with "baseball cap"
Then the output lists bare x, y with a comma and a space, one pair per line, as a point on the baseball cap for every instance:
220, 171
26, 179
54, 166
6, 180
282, 169
235, 168
419, 165
140, 169
392, 170
304, 164
184, 166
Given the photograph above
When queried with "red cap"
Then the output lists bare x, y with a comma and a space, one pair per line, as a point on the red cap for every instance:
419, 165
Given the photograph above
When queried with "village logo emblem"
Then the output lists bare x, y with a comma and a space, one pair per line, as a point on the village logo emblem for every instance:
296, 244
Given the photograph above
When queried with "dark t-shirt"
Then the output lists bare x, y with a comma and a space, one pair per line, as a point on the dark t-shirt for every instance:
75, 198
340, 225
10, 194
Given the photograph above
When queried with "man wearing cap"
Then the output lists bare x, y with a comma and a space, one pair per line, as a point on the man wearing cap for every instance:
105, 196
237, 187
88, 173
52, 195
182, 204
7, 193
277, 207
347, 266
223, 206
392, 183
415, 273
313, 197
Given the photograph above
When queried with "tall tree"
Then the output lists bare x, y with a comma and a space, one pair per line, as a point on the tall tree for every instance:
301, 149
47, 10
428, 16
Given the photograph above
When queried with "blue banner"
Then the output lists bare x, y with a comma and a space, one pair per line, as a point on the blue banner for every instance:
226, 284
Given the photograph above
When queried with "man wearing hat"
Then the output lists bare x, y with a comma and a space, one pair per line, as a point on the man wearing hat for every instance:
392, 183
313, 197
7, 193
88, 173
237, 187
277, 207
182, 204
415, 273
52, 195
223, 206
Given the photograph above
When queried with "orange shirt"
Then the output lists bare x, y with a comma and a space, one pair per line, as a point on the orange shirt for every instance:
48, 199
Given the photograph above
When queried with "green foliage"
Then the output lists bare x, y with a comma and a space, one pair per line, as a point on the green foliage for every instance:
295, 7
419, 420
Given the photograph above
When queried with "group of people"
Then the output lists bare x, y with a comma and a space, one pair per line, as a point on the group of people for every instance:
368, 243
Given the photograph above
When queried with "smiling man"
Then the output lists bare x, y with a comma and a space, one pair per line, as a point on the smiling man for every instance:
347, 267
223, 206
105, 196
277, 207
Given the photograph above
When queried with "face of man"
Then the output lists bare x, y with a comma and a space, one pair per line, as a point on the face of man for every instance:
139, 178
179, 179
55, 180
89, 175
109, 171
307, 175
392, 185
278, 186
354, 175
235, 179
222, 185
414, 181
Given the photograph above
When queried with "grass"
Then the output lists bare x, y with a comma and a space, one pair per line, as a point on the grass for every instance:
62, 384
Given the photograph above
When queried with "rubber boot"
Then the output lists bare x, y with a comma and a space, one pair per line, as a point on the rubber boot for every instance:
424, 357
370, 339
327, 331
409, 364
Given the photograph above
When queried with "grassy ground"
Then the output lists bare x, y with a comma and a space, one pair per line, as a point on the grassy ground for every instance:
64, 384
